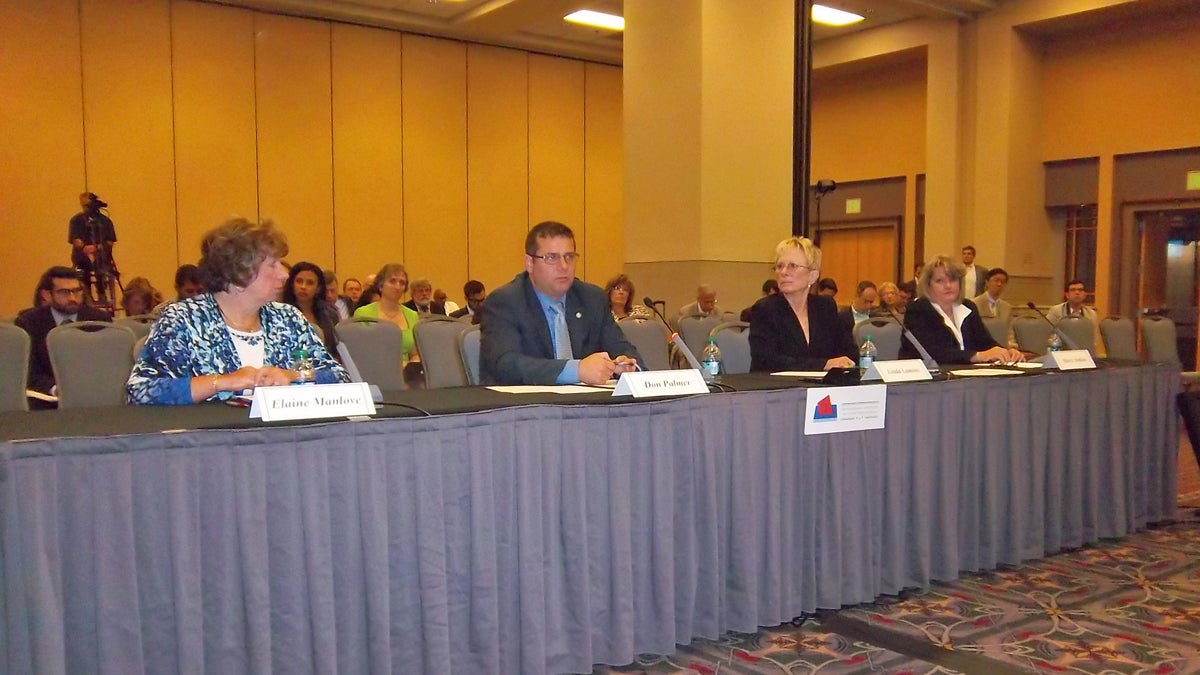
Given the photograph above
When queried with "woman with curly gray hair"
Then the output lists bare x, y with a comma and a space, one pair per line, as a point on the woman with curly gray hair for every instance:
234, 337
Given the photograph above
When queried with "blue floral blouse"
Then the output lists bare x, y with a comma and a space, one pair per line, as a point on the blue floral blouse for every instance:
190, 339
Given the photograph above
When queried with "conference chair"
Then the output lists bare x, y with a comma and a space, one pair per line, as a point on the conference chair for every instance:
91, 362
997, 328
375, 346
14, 360
694, 330
650, 338
468, 351
1032, 333
733, 339
137, 346
1081, 331
885, 333
1161, 340
1120, 338
140, 324
437, 341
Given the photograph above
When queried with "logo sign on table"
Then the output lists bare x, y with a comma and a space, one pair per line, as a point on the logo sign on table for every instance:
661, 383
832, 410
1070, 359
907, 370
312, 401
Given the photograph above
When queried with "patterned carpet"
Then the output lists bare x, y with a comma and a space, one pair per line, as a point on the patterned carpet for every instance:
1118, 607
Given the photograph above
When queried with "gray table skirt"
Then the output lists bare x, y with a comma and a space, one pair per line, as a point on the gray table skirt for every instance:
549, 538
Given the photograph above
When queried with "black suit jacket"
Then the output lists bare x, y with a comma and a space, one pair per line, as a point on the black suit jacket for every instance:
937, 338
465, 311
516, 347
38, 322
778, 343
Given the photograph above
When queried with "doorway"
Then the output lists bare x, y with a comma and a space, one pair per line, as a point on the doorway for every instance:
856, 252
1169, 272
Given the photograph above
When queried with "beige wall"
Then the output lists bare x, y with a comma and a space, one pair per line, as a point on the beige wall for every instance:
365, 145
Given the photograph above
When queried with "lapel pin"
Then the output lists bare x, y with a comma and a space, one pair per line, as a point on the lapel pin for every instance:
578, 315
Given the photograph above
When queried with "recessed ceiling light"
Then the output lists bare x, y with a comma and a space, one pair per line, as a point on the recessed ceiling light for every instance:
586, 17
833, 17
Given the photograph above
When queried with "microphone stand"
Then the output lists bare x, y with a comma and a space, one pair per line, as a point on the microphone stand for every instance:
930, 364
674, 339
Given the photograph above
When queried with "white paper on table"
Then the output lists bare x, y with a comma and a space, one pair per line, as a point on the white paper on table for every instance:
984, 372
812, 374
549, 389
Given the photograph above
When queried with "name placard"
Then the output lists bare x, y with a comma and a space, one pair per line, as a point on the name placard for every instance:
905, 370
661, 383
312, 401
1070, 359
831, 410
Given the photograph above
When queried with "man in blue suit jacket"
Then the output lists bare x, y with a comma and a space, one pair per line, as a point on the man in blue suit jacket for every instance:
521, 322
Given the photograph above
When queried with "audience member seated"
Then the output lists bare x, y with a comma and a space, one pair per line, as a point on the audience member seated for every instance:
341, 307
1075, 293
235, 337
370, 293
187, 285
392, 282
140, 297
889, 297
866, 301
795, 329
422, 301
306, 290
547, 327
64, 289
827, 287
475, 293
704, 306
950, 330
769, 287
620, 294
439, 296
351, 290
989, 303
908, 291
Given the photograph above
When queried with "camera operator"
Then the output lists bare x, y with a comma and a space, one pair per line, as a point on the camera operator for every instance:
92, 236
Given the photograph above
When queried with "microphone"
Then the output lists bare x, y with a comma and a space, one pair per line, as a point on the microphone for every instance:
1062, 336
675, 339
930, 364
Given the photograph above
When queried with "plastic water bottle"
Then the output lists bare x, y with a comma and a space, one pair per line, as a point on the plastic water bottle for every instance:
1054, 342
866, 354
710, 361
303, 365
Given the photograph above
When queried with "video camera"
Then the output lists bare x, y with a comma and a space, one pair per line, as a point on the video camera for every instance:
96, 201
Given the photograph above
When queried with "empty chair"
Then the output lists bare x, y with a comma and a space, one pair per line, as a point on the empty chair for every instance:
998, 328
1161, 340
375, 346
1032, 333
468, 351
91, 361
14, 359
1162, 345
437, 342
1080, 331
140, 324
733, 339
885, 333
1120, 338
650, 338
694, 330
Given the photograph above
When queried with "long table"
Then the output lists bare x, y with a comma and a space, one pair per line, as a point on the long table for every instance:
542, 538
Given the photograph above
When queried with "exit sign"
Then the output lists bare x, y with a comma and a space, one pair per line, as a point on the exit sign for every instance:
1193, 180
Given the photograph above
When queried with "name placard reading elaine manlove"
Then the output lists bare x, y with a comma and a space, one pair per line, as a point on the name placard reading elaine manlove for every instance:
661, 383
312, 401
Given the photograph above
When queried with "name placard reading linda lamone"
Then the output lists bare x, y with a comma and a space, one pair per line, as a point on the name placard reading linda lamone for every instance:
1070, 359
312, 401
661, 383
904, 370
